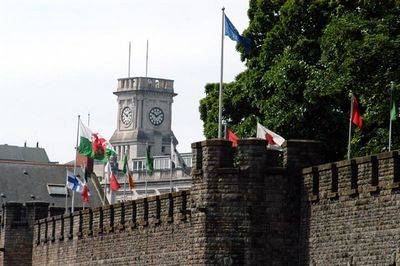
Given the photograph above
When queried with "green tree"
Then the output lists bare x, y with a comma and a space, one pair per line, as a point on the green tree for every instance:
309, 57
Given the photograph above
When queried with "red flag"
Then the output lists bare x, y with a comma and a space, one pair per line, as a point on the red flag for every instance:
114, 183
356, 115
85, 194
232, 137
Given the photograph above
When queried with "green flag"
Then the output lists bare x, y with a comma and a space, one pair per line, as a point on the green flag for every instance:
393, 106
149, 162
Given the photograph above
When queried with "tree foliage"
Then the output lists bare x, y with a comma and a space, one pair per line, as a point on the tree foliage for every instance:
309, 57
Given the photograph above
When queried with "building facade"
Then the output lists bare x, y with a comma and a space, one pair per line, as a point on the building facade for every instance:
143, 117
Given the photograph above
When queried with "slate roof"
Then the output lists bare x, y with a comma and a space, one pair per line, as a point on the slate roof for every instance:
27, 154
27, 181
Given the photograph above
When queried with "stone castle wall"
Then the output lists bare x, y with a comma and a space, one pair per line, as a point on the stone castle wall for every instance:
350, 212
247, 206
143, 232
239, 206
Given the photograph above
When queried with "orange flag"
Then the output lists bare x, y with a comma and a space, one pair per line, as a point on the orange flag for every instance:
131, 183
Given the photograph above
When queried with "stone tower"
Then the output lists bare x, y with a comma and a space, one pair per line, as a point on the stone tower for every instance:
144, 116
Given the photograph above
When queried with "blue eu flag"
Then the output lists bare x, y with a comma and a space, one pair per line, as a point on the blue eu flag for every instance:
232, 32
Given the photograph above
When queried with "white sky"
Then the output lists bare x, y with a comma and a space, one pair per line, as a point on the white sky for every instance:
62, 58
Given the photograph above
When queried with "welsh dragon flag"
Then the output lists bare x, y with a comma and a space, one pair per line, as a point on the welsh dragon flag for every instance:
93, 145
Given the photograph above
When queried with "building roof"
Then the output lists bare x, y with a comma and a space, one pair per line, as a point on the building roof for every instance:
23, 181
24, 154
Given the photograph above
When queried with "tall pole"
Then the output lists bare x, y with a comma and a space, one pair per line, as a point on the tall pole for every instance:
351, 116
76, 157
129, 61
147, 56
222, 76
170, 159
390, 118
125, 185
145, 184
88, 119
66, 193
105, 185
147, 161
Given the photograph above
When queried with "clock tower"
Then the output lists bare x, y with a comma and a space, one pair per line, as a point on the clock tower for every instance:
144, 117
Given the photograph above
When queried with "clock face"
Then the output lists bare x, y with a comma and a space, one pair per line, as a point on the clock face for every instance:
156, 116
126, 116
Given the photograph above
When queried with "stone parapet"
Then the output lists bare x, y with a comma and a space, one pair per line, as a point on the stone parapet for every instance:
109, 219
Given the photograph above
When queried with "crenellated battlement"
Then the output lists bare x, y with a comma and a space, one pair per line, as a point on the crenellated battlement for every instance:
247, 206
360, 177
109, 219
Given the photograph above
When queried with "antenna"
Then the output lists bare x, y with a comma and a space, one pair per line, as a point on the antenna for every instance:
88, 119
129, 61
147, 56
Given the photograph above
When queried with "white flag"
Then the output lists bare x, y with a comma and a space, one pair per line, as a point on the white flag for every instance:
274, 140
176, 157
107, 172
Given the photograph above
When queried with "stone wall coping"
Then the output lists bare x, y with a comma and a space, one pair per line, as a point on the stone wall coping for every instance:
196, 145
358, 160
389, 154
86, 211
54, 221
355, 183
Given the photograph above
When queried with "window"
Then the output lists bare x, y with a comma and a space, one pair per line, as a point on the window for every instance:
56, 189
157, 164
138, 165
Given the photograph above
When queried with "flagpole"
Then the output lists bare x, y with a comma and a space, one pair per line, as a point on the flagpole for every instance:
147, 56
170, 159
76, 157
145, 184
66, 193
351, 115
390, 118
129, 61
145, 177
125, 186
222, 77
105, 186
225, 132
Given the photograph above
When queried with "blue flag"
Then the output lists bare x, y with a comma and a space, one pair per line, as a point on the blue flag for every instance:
232, 32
